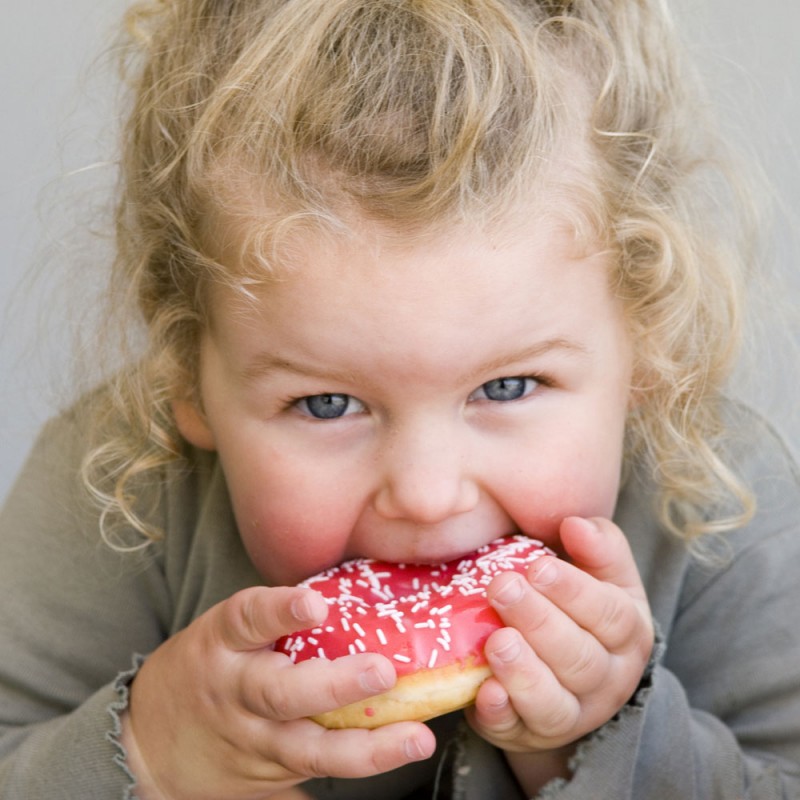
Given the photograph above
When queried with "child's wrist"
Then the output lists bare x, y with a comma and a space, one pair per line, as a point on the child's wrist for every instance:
534, 770
146, 786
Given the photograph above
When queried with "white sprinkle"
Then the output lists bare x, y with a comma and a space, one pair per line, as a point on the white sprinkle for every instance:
432, 659
316, 631
358, 629
321, 653
345, 624
381, 636
361, 646
313, 640
429, 624
351, 648
404, 659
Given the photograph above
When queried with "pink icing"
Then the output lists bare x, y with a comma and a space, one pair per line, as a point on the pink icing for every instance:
420, 616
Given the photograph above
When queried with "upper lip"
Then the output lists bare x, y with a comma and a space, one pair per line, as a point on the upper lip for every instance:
443, 555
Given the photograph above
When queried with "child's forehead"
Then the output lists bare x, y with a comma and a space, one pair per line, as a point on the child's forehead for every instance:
258, 249
376, 267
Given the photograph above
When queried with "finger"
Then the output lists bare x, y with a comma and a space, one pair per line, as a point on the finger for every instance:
275, 688
601, 549
609, 613
255, 618
493, 715
575, 655
313, 751
536, 699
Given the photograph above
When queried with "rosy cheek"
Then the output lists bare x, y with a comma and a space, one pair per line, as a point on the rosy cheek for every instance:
285, 543
586, 491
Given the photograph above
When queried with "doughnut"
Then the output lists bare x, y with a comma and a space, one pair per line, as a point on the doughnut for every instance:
432, 622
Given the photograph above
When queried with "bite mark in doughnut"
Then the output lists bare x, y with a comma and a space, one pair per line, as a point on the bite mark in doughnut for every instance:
431, 621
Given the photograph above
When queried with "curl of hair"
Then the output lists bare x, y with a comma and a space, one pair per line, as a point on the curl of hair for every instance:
419, 113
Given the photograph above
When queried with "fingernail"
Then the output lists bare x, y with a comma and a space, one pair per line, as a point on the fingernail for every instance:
508, 652
589, 525
303, 608
511, 593
373, 681
414, 749
543, 572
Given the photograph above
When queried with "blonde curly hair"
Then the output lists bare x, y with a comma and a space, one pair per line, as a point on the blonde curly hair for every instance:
420, 113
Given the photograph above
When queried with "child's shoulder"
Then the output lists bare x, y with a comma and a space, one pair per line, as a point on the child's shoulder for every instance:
762, 456
77, 457
760, 453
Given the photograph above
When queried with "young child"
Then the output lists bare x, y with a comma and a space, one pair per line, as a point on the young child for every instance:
412, 275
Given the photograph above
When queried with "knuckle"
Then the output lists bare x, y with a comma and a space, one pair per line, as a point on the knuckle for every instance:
559, 721
277, 702
538, 621
338, 695
250, 618
312, 764
585, 665
240, 614
507, 728
615, 616
307, 761
376, 762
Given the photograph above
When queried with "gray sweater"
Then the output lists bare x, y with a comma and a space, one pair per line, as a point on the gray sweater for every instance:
717, 715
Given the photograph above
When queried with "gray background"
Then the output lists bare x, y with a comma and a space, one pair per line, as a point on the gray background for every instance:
55, 143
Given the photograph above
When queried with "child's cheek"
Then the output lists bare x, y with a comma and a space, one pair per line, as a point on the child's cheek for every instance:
288, 537
583, 487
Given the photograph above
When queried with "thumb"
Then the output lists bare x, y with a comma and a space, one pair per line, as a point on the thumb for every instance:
255, 618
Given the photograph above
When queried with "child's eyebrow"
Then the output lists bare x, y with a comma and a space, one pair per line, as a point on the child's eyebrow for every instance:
265, 364
529, 353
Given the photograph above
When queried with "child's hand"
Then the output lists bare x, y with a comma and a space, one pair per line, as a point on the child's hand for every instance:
579, 638
215, 713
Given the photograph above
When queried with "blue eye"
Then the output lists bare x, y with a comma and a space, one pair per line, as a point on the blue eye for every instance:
328, 406
503, 390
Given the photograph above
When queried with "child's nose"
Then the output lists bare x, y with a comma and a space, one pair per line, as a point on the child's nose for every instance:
425, 477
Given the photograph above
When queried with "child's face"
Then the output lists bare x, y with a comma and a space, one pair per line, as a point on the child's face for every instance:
411, 403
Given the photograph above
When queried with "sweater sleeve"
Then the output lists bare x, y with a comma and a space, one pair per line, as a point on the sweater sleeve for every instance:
74, 613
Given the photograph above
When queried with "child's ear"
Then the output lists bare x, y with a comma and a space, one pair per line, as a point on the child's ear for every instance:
193, 425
